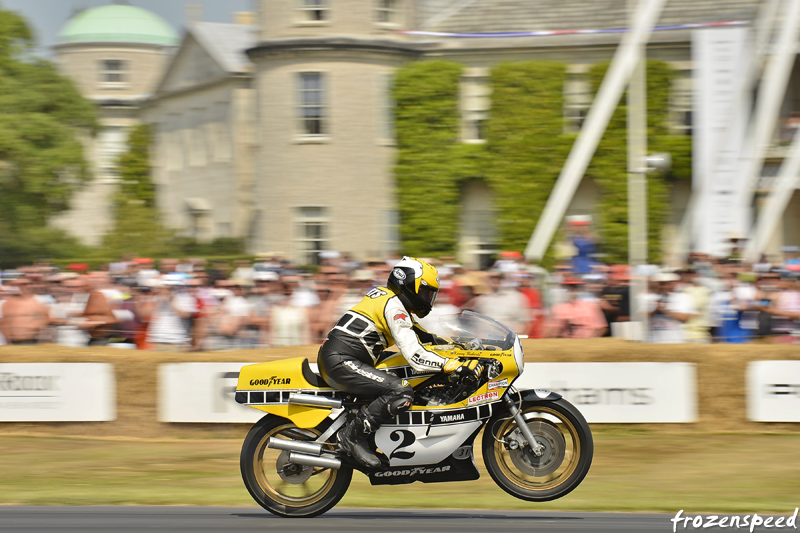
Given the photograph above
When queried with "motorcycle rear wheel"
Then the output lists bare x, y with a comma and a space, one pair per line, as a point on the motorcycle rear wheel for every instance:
568, 451
283, 488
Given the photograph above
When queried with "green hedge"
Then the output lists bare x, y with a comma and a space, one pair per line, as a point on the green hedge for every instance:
526, 145
426, 94
609, 166
525, 151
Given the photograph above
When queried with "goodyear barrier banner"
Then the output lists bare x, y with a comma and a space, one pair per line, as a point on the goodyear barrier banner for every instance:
773, 391
57, 392
201, 392
620, 392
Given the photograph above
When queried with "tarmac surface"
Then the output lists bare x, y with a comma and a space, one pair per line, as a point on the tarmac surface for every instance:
32, 519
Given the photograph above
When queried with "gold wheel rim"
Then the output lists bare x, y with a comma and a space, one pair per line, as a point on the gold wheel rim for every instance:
572, 451
268, 461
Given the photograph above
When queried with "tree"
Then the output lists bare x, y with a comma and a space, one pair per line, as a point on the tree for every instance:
42, 120
137, 225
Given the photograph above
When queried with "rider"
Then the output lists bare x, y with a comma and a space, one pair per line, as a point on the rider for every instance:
351, 350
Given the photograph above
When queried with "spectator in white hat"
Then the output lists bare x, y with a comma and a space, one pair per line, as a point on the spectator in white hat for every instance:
669, 309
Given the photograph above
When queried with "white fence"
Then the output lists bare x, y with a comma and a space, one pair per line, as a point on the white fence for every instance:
203, 392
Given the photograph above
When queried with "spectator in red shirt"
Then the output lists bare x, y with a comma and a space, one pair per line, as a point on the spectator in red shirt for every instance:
535, 328
576, 318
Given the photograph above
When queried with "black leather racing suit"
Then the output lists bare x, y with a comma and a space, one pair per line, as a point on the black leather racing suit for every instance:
348, 355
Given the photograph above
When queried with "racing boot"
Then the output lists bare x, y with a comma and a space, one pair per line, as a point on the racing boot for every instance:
353, 440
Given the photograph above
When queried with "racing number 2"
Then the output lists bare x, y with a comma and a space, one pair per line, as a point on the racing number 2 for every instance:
408, 439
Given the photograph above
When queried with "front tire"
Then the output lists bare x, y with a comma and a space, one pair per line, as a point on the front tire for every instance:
284, 488
568, 451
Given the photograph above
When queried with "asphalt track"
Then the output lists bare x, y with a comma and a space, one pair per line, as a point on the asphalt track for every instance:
114, 519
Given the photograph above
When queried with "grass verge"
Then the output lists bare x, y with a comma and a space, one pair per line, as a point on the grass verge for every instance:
633, 471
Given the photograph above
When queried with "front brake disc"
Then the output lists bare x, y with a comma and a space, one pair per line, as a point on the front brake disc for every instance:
554, 449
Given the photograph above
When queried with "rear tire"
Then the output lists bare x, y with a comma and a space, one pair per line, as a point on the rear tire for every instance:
567, 456
284, 488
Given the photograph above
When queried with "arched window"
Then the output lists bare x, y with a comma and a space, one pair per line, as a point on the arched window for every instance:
478, 233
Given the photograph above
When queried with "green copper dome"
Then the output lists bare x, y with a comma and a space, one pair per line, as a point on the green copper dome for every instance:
118, 24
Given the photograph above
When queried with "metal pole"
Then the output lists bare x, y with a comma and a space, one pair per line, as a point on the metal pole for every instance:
787, 181
763, 27
637, 183
770, 97
595, 124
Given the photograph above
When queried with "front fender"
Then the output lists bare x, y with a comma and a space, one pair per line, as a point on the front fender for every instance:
535, 395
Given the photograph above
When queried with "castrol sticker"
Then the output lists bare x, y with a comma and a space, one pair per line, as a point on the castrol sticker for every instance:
486, 397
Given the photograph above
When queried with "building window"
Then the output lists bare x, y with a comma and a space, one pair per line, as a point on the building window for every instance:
476, 91
387, 11
113, 72
387, 111
577, 99
175, 151
313, 10
111, 144
220, 137
478, 238
198, 151
311, 107
312, 237
390, 232
680, 103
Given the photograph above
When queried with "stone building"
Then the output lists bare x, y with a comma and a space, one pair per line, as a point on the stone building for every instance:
116, 55
323, 73
204, 118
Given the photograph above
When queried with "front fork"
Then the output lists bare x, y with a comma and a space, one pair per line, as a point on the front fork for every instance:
523, 428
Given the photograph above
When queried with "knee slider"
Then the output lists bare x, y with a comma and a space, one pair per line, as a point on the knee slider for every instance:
401, 403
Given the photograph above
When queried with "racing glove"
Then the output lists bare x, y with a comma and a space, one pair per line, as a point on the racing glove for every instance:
457, 369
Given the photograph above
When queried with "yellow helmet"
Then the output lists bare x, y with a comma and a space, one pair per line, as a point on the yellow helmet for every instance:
416, 283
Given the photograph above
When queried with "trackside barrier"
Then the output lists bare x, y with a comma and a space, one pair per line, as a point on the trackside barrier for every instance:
604, 392
142, 394
57, 392
773, 391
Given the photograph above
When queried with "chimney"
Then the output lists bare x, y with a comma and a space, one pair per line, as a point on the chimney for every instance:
194, 12
247, 18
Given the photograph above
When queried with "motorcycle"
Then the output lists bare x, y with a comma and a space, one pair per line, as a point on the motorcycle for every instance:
536, 446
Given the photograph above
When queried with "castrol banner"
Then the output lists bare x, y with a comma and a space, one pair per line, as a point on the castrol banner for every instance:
57, 392
201, 392
620, 392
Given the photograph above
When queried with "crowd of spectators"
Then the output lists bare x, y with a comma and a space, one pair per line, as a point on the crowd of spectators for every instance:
190, 305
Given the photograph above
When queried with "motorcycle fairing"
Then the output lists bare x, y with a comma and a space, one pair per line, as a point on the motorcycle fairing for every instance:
427, 437
422, 445
442, 417
457, 466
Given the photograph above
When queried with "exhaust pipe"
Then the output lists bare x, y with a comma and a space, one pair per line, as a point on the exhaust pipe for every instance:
323, 462
314, 401
308, 448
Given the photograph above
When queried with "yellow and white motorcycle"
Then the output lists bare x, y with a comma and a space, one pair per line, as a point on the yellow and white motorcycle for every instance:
536, 445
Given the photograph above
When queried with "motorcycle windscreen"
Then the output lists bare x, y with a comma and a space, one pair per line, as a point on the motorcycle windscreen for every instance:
469, 324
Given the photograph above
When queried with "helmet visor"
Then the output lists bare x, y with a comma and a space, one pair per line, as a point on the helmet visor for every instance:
428, 294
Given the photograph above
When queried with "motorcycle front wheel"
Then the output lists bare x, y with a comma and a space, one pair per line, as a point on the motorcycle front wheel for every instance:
566, 457
284, 488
